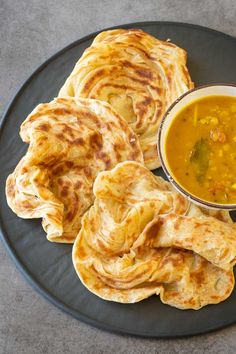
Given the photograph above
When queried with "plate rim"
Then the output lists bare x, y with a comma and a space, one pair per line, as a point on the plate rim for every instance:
9, 246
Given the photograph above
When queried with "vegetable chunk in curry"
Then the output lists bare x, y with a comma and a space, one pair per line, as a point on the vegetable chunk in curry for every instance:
201, 148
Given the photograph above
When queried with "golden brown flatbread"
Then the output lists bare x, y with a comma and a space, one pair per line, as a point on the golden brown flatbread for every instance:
70, 142
139, 75
142, 238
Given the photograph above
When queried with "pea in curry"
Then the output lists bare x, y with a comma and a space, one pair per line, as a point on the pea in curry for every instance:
201, 148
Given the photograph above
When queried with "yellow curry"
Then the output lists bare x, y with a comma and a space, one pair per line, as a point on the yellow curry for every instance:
201, 148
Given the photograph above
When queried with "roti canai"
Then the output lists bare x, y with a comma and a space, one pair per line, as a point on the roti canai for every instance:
139, 75
70, 142
142, 238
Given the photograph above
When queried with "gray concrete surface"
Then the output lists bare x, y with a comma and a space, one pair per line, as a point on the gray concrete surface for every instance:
31, 31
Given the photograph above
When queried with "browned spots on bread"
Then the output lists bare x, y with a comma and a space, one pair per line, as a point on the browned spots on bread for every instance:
174, 294
175, 260
24, 169
45, 127
99, 73
10, 187
26, 204
60, 136
199, 277
78, 185
67, 130
70, 215
88, 172
177, 224
65, 191
58, 170
215, 297
69, 164
82, 252
147, 74
60, 181
89, 155
190, 301
153, 229
79, 141
63, 111
96, 141
128, 221
104, 157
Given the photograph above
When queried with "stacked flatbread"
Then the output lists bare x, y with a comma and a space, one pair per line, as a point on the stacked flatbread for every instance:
139, 75
135, 236
70, 142
142, 238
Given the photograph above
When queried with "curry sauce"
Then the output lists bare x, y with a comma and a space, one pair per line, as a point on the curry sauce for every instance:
201, 148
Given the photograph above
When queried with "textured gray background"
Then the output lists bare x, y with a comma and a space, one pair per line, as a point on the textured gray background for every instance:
30, 32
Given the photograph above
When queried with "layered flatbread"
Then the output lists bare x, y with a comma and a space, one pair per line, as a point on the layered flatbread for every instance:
142, 238
139, 75
70, 142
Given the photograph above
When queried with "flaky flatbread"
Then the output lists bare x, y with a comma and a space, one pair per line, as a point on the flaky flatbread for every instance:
139, 75
70, 142
142, 238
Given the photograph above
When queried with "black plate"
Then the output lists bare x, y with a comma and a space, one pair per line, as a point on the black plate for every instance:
48, 266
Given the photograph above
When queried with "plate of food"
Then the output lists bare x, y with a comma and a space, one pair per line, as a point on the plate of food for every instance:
117, 179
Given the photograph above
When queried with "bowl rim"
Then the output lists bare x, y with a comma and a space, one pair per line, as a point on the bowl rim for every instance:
170, 176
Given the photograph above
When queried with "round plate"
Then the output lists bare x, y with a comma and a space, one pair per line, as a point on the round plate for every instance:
48, 266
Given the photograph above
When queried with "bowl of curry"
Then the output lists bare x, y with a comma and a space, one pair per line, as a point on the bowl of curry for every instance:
197, 145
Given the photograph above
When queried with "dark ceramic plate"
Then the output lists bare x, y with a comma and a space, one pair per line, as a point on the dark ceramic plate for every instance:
48, 266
